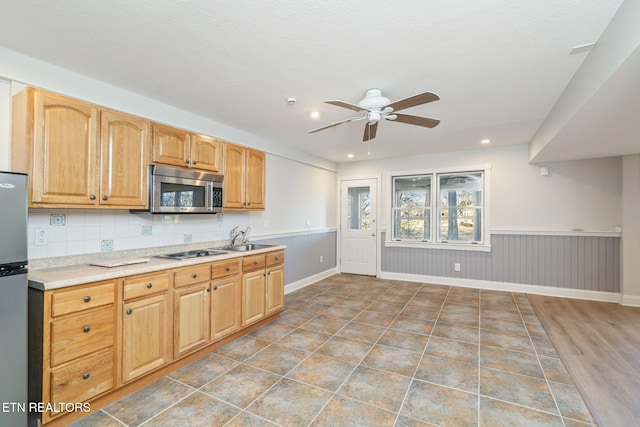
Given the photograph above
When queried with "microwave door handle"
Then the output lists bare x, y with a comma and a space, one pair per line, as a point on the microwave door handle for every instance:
209, 196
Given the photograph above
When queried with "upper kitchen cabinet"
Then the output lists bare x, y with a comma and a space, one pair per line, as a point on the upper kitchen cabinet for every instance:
124, 154
55, 141
78, 155
177, 147
244, 178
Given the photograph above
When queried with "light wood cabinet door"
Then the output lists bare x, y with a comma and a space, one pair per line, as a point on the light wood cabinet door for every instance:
253, 297
206, 153
171, 146
225, 307
124, 146
255, 190
64, 159
244, 178
234, 177
274, 290
190, 318
145, 333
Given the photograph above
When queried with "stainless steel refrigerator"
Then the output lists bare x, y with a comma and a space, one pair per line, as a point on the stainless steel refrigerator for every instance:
13, 299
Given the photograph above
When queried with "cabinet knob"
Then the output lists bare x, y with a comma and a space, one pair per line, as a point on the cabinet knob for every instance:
105, 197
149, 285
194, 163
87, 298
92, 197
215, 288
129, 311
86, 328
227, 269
194, 275
208, 289
255, 262
248, 203
277, 258
86, 375
187, 161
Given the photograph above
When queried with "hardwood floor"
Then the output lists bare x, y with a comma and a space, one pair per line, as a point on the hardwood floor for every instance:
599, 344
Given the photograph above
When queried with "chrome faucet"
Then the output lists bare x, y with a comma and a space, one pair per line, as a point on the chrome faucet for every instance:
235, 235
245, 236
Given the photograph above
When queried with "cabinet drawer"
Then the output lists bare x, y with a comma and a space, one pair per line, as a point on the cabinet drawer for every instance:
228, 267
83, 379
84, 298
192, 274
275, 258
146, 284
253, 262
78, 335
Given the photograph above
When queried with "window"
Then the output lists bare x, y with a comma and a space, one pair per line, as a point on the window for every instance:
412, 208
460, 207
439, 208
358, 208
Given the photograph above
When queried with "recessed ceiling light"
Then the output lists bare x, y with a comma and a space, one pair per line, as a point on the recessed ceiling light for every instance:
314, 114
485, 141
350, 156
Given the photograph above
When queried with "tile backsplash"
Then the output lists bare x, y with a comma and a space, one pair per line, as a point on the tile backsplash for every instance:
64, 232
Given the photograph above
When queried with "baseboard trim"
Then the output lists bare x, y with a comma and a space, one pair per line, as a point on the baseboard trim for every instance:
631, 300
513, 287
310, 280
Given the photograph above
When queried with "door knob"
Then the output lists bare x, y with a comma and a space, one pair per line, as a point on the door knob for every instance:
373, 234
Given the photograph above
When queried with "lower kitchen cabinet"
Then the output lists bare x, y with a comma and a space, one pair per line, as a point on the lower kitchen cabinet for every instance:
262, 286
225, 306
274, 291
95, 340
145, 335
190, 318
253, 307
72, 334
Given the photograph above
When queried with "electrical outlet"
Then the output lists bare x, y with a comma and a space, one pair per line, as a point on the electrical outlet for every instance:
456, 266
57, 219
147, 230
40, 237
106, 245
187, 238
321, 258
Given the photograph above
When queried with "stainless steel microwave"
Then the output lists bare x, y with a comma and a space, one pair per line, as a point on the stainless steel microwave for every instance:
182, 191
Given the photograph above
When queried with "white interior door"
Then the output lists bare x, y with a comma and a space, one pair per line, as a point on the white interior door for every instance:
358, 227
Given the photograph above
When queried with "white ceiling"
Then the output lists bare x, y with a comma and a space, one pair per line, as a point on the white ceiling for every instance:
499, 66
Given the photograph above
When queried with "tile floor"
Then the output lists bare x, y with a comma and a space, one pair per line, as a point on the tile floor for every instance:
359, 351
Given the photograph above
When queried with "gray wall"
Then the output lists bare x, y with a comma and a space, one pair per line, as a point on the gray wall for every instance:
303, 252
578, 262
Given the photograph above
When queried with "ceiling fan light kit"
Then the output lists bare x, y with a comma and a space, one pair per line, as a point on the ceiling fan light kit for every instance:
374, 107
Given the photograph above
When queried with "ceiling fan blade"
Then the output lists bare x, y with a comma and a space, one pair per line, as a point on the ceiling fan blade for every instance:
412, 101
370, 131
343, 104
335, 124
415, 120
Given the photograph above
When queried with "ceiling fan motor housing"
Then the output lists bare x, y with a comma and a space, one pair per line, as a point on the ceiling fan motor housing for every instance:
373, 100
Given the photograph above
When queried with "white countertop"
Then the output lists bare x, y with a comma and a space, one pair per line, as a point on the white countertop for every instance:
61, 277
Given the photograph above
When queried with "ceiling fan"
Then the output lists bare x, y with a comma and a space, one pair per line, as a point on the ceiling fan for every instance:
374, 107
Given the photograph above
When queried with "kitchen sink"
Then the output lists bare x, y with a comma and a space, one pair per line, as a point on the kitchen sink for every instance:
246, 247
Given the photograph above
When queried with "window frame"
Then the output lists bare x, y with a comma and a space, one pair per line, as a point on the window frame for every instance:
435, 242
